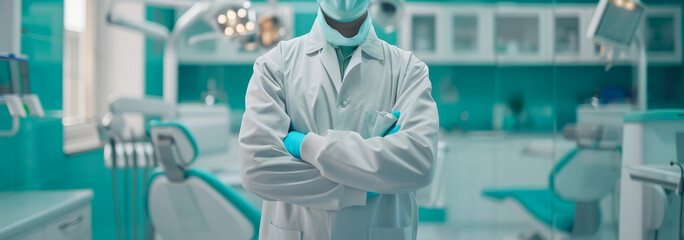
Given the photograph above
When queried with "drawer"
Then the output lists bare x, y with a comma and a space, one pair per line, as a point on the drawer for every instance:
70, 226
36, 233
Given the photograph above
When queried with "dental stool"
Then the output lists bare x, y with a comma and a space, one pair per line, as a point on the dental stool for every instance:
582, 178
190, 203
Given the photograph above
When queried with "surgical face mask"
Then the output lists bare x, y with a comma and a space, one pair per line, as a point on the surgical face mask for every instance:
336, 39
344, 10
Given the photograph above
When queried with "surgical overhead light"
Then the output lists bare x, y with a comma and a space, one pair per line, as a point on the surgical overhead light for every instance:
232, 18
614, 26
386, 13
271, 30
235, 20
615, 22
626, 4
271, 27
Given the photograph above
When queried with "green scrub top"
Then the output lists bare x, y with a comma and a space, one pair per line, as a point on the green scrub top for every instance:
344, 55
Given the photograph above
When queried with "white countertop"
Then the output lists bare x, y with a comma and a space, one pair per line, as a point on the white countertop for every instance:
20, 211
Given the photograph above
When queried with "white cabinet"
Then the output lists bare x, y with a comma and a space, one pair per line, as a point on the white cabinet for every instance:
41, 215
521, 34
73, 225
470, 34
424, 31
569, 43
663, 34
525, 34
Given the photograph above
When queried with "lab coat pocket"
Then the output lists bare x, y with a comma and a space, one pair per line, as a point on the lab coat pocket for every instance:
376, 124
278, 233
405, 233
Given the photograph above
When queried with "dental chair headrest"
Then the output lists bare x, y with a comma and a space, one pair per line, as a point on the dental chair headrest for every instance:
174, 147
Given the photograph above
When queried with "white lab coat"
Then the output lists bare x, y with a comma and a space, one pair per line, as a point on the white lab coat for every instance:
297, 86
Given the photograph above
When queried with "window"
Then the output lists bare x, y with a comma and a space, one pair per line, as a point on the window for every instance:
80, 133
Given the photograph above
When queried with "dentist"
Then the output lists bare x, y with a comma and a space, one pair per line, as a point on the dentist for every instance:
301, 143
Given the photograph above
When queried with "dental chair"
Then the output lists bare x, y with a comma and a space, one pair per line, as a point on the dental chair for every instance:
190, 203
570, 205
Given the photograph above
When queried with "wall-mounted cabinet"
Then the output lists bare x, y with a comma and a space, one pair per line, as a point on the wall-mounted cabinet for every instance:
525, 34
424, 32
440, 33
568, 30
663, 34
471, 35
520, 34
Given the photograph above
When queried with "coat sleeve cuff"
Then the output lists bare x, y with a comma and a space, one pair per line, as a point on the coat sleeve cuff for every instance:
311, 148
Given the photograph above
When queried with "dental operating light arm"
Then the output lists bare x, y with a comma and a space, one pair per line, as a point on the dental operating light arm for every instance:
149, 28
170, 67
207, 11
145, 106
615, 24
152, 29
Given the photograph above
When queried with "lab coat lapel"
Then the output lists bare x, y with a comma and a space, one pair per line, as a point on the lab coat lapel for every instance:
328, 58
371, 46
318, 46
329, 61
354, 62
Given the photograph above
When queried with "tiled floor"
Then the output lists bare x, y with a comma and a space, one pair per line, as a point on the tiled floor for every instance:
446, 232
430, 231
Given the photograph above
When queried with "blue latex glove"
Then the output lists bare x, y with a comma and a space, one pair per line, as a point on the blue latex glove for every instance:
391, 131
371, 195
293, 143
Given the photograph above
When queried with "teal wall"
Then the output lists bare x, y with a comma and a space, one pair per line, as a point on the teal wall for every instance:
154, 52
41, 40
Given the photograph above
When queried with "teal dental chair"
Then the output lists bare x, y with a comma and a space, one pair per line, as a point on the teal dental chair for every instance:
190, 203
570, 205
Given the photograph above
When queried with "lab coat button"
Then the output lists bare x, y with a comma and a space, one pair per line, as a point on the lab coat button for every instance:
344, 104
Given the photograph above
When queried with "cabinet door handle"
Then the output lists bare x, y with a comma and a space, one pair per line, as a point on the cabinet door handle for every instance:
70, 223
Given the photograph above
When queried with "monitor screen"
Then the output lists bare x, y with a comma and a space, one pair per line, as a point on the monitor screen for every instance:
14, 76
5, 76
619, 22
